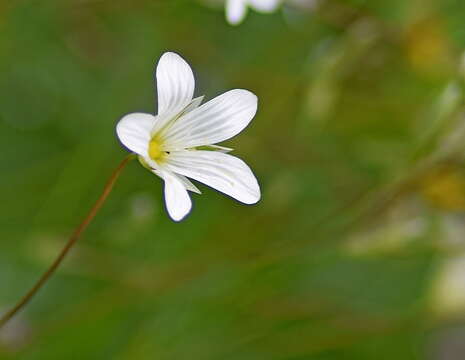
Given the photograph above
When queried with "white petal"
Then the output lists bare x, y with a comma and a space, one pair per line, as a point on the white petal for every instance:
133, 131
166, 120
264, 5
235, 11
219, 148
178, 202
217, 120
158, 170
175, 86
187, 183
195, 103
223, 172
175, 82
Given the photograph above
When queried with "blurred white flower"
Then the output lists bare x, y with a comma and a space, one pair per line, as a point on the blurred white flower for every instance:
178, 142
237, 9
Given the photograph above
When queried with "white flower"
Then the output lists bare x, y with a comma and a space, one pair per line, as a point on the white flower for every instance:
237, 9
178, 142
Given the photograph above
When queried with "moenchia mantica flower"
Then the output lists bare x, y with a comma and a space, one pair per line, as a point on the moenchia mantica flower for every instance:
180, 141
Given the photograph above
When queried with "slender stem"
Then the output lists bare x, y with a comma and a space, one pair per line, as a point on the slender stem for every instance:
71, 241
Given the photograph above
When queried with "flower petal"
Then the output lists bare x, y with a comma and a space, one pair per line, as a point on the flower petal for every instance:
217, 120
264, 5
175, 84
133, 131
158, 170
219, 148
195, 103
235, 11
188, 184
177, 200
223, 172
166, 120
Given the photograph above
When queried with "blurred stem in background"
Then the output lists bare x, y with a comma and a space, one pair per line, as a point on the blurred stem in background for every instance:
71, 241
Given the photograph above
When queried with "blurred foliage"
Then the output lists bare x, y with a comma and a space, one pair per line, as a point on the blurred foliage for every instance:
356, 250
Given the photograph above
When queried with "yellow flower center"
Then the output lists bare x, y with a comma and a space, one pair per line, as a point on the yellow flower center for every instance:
155, 150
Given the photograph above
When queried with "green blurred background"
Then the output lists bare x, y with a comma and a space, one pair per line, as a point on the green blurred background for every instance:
357, 248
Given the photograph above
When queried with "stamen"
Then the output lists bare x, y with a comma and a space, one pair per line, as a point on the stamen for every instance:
155, 150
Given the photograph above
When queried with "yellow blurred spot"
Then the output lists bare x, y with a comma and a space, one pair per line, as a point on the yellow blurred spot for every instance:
427, 46
445, 189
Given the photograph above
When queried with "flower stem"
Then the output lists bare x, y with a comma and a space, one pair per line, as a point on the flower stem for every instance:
71, 241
